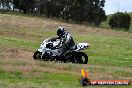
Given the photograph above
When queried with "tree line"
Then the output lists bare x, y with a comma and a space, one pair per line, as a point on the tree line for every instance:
120, 20
81, 11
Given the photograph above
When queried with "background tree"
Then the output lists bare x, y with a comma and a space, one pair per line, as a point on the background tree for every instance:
90, 11
6, 4
120, 20
25, 5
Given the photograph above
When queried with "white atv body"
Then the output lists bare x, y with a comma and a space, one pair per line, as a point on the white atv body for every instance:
45, 52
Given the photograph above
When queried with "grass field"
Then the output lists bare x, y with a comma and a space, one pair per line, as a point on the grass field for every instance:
110, 54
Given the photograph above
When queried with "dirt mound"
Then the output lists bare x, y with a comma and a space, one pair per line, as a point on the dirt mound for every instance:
15, 53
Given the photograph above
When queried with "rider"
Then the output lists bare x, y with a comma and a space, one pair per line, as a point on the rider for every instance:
66, 40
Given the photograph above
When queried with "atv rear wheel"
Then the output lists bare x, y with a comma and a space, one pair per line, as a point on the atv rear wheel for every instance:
83, 58
78, 57
37, 55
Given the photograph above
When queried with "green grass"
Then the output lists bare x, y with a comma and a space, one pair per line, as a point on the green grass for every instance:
109, 55
108, 50
51, 79
27, 44
48, 80
122, 73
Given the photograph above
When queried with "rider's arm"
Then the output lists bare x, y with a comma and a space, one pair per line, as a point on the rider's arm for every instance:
59, 45
63, 41
54, 39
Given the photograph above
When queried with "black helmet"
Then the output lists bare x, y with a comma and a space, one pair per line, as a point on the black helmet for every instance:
60, 31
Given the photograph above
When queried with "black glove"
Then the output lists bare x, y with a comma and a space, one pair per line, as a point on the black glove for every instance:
53, 48
54, 39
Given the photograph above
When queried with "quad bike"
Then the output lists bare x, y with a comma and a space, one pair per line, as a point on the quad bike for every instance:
47, 53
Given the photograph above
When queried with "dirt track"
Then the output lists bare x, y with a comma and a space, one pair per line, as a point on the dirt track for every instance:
46, 24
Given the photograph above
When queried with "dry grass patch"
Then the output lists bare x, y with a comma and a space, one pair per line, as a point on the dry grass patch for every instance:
48, 24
